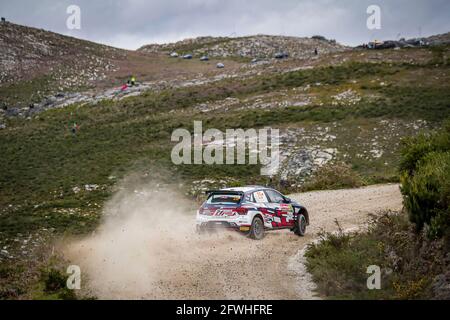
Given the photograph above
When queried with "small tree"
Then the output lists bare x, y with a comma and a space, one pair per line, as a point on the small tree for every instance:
425, 179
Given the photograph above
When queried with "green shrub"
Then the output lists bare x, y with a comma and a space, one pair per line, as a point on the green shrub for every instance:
55, 283
410, 263
427, 193
338, 264
334, 176
416, 148
425, 179
54, 280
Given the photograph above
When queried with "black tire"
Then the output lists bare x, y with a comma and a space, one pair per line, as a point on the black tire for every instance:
300, 227
257, 229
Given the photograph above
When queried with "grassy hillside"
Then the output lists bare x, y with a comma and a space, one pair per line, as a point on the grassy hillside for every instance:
35, 63
42, 155
53, 182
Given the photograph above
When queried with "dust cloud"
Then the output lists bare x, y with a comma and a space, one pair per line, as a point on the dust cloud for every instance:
146, 246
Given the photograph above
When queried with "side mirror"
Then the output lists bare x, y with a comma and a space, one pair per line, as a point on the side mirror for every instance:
287, 200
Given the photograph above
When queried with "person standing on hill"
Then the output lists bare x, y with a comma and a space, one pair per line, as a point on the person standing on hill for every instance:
75, 128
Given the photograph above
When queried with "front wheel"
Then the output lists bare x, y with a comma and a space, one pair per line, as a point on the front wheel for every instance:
300, 228
257, 229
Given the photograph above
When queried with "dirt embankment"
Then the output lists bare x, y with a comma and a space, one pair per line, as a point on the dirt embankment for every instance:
147, 249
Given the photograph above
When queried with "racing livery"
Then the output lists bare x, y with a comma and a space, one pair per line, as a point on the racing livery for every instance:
252, 210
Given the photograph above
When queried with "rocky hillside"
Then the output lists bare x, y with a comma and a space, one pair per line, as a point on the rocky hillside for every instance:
259, 46
439, 39
27, 53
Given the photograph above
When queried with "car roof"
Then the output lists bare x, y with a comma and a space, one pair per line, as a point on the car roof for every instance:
246, 189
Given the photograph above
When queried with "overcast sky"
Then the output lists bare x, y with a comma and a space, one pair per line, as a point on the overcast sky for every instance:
133, 23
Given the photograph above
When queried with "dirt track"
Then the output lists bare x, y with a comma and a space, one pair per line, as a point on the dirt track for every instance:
131, 261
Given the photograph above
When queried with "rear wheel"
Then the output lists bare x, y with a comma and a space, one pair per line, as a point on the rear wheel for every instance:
257, 229
300, 228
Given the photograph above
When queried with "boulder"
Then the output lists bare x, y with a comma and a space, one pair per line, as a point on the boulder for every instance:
281, 55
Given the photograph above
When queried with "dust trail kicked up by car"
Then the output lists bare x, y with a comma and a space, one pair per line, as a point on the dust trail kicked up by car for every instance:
145, 247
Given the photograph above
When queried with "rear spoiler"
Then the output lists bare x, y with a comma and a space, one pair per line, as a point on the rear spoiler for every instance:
226, 192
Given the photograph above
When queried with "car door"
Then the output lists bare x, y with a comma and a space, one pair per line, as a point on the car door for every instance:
283, 212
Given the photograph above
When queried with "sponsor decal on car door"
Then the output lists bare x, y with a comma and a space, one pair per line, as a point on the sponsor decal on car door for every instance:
283, 213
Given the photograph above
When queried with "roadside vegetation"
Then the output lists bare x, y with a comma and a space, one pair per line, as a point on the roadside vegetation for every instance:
425, 169
412, 248
337, 176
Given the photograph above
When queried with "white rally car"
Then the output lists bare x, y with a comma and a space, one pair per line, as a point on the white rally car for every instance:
251, 210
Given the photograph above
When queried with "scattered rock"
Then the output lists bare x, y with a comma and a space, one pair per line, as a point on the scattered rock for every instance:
26, 52
348, 97
76, 190
259, 46
91, 187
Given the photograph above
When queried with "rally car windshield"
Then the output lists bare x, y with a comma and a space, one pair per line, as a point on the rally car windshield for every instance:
224, 199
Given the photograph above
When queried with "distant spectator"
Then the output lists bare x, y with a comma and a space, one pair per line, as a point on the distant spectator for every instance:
131, 81
75, 128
